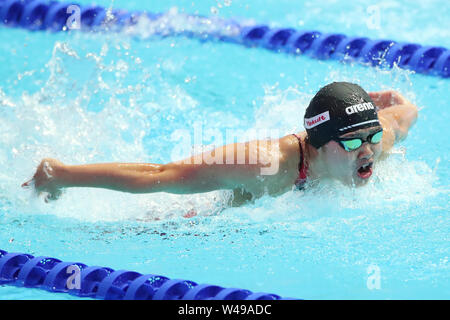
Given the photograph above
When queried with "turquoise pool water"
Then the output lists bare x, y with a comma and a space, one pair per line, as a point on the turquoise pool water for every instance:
100, 98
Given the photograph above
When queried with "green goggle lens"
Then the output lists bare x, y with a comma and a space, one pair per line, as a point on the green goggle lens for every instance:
376, 138
353, 144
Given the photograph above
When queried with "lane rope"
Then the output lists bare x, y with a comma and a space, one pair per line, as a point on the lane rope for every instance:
56, 16
78, 279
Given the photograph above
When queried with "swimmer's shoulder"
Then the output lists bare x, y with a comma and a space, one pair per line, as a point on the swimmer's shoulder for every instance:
289, 147
277, 183
290, 155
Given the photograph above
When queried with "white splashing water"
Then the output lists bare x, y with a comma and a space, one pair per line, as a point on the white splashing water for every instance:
57, 122
174, 22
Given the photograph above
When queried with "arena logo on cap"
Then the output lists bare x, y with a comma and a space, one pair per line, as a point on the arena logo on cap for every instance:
315, 121
359, 107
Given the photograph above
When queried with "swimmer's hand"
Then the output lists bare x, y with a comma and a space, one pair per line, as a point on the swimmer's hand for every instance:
397, 116
45, 179
386, 99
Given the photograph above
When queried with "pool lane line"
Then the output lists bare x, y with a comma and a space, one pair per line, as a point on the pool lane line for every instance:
56, 16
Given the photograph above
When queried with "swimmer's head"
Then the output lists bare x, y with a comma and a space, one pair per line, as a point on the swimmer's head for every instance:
342, 124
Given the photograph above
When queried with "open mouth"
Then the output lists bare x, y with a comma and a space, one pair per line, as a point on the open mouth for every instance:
365, 171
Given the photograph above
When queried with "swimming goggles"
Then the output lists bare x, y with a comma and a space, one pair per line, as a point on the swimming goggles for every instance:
352, 144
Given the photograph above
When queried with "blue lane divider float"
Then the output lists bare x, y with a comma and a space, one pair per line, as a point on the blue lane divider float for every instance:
53, 15
75, 278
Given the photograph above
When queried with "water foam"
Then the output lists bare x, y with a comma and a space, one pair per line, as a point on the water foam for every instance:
59, 121
118, 110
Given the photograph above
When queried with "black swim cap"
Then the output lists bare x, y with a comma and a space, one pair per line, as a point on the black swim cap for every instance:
336, 109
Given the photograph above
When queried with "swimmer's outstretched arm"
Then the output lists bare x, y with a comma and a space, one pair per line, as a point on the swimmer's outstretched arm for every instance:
52, 175
191, 175
397, 116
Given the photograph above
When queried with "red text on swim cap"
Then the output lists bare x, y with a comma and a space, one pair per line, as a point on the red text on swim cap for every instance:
316, 120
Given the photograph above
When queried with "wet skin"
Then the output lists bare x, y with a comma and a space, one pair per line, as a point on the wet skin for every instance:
396, 116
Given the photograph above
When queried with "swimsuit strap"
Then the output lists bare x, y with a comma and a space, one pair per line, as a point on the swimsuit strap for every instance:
302, 166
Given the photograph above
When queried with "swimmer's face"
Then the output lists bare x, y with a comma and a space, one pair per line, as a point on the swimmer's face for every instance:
352, 167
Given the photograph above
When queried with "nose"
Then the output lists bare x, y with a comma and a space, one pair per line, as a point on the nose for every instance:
365, 152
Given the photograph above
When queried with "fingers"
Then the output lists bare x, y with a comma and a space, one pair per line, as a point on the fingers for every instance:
30, 183
52, 196
376, 97
398, 98
43, 180
380, 95
387, 98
